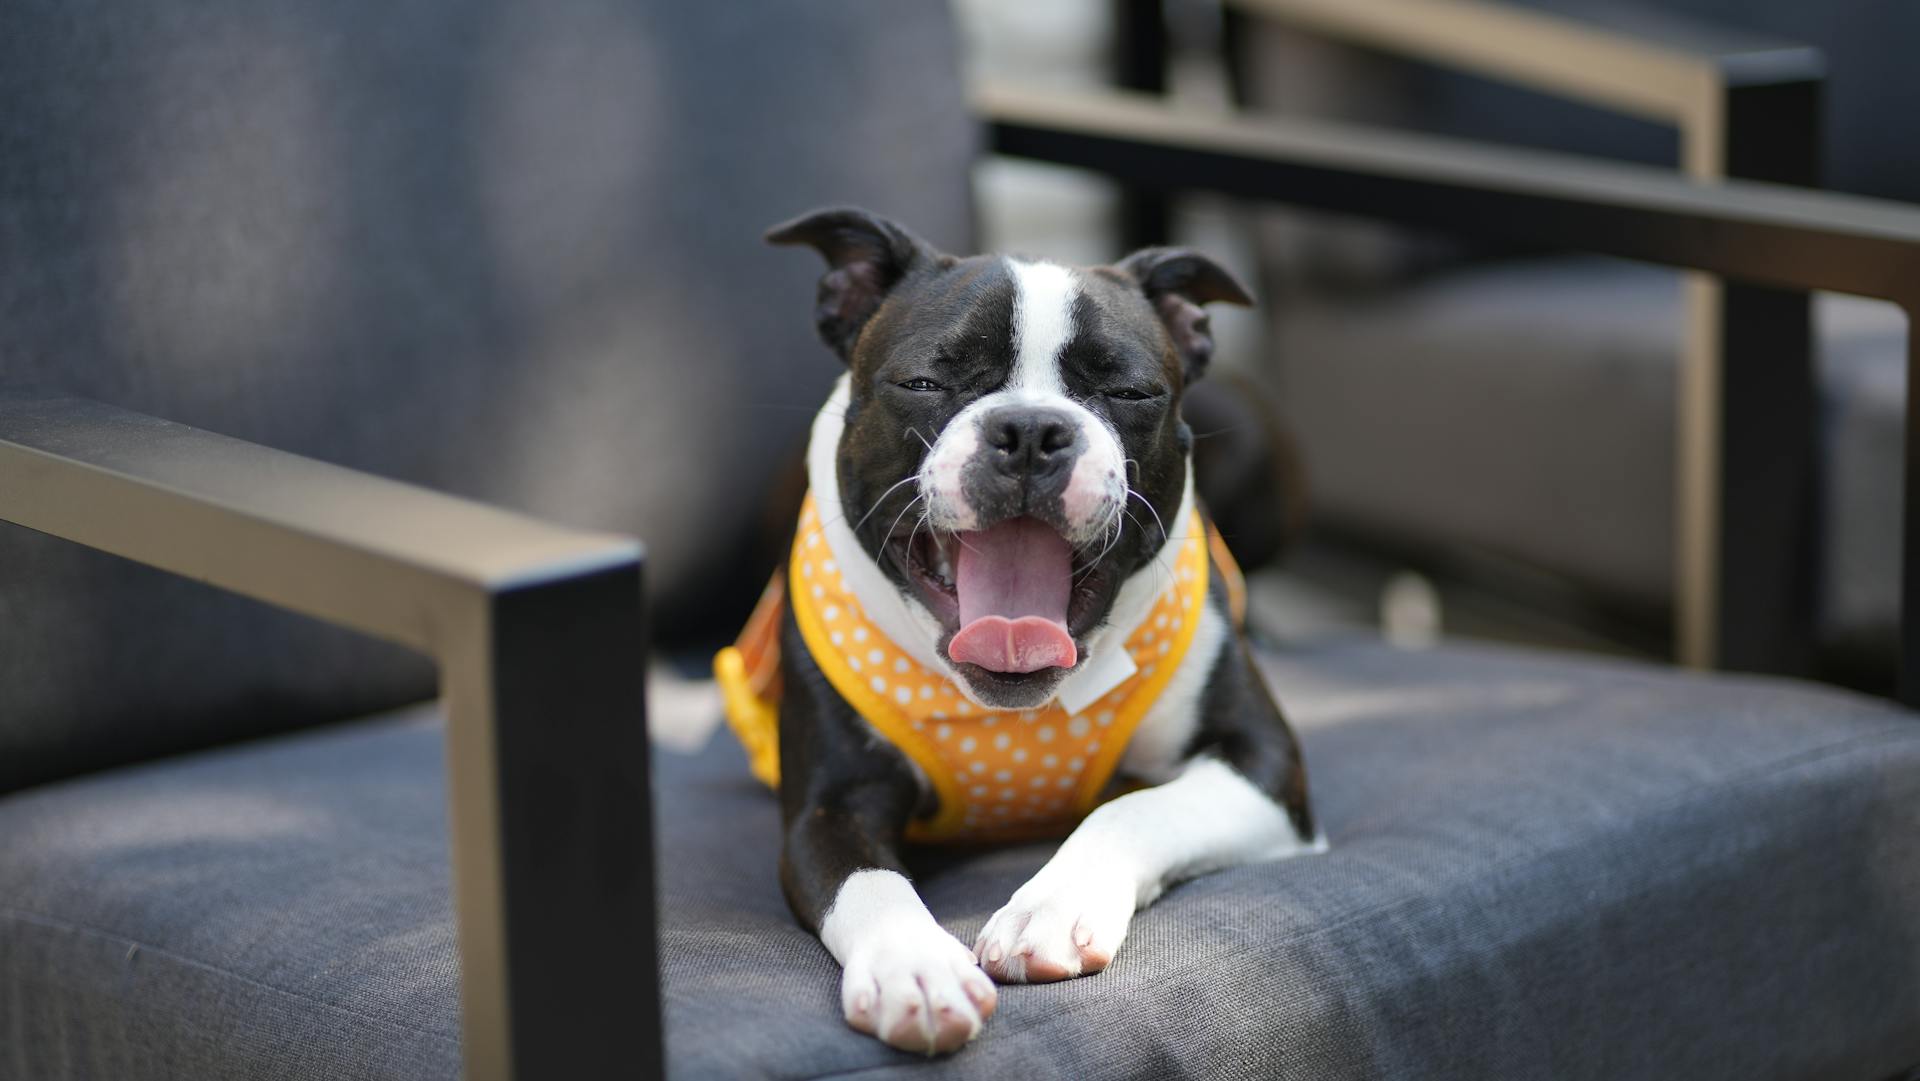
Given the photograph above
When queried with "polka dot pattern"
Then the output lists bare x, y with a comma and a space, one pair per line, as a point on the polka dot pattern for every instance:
997, 773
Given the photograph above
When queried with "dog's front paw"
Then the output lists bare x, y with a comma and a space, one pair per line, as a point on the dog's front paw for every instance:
919, 992
1063, 923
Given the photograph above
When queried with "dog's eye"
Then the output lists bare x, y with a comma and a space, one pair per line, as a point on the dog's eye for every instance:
1130, 394
921, 385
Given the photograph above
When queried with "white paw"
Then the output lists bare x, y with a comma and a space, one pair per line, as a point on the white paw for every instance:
1065, 922
918, 990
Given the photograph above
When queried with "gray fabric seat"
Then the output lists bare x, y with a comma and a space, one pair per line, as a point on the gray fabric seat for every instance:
1527, 408
1541, 868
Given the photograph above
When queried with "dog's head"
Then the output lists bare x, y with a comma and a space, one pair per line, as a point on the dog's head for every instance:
1012, 450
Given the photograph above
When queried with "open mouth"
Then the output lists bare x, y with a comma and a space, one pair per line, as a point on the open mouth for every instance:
1009, 593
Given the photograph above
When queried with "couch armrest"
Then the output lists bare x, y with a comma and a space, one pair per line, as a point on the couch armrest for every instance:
539, 636
1761, 233
1644, 62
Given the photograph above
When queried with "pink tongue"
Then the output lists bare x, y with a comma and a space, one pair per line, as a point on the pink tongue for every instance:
1013, 581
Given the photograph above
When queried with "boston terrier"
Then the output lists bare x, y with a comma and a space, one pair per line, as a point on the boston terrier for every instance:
1005, 616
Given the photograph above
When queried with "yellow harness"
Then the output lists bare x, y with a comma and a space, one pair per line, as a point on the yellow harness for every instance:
999, 774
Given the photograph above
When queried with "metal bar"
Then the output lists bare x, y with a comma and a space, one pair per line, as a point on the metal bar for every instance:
537, 631
1755, 233
1765, 487
1142, 49
1910, 526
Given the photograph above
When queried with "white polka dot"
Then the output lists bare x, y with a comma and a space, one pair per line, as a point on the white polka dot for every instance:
900, 665
902, 695
1077, 726
919, 725
1176, 624
828, 566
1038, 782
1165, 648
853, 663
926, 691
819, 592
806, 570
967, 745
1001, 741
813, 540
943, 731
859, 634
875, 656
990, 719
1045, 733
1105, 718
978, 767
1006, 793
1065, 782
939, 714
978, 790
831, 611
879, 685
1093, 747
1029, 715
1146, 639
965, 707
1003, 776
1147, 672
1019, 754
1161, 621
1050, 761
838, 638
1075, 764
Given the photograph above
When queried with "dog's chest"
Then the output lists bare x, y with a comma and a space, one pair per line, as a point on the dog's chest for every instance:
1028, 772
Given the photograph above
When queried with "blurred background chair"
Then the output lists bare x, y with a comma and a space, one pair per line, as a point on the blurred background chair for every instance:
1496, 346
509, 251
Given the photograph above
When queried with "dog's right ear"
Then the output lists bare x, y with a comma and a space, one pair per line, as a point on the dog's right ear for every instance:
866, 255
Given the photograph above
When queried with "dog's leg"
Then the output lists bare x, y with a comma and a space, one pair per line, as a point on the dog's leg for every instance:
1241, 799
904, 979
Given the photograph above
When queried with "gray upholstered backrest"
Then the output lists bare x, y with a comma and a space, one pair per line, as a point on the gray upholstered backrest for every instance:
509, 250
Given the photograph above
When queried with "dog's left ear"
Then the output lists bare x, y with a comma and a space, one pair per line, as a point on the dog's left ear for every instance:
1178, 281
866, 255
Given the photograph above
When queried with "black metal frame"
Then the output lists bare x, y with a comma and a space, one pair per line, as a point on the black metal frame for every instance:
539, 634
1753, 233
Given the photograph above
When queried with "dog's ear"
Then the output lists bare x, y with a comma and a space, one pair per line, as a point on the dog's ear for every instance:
1178, 281
866, 255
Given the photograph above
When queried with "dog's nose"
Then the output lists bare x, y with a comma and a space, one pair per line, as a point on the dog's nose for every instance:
1030, 441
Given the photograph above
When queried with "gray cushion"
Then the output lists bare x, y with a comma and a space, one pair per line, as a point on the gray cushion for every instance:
1527, 408
509, 250
1541, 868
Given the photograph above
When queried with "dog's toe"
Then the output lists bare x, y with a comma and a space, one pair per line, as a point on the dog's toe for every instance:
923, 996
1055, 930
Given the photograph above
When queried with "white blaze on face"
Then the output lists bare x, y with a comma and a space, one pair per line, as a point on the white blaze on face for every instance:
1044, 296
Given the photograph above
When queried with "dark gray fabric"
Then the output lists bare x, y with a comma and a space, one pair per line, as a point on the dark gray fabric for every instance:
508, 249
1528, 409
281, 910
1541, 868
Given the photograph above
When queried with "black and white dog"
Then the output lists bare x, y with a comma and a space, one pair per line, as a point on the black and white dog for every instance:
1024, 418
